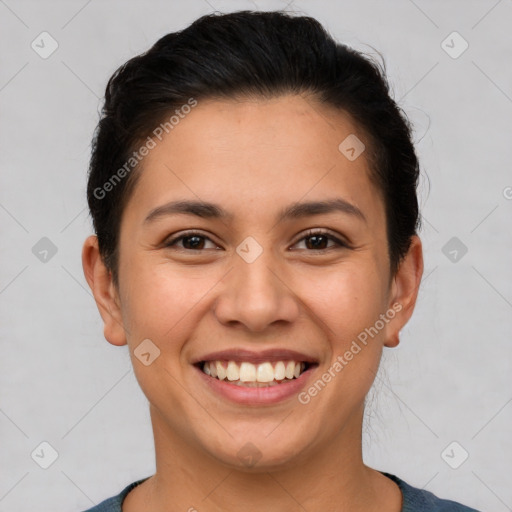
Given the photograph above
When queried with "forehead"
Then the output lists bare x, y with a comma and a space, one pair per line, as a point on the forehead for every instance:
251, 154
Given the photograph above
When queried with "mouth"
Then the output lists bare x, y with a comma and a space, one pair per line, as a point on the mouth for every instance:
255, 379
247, 374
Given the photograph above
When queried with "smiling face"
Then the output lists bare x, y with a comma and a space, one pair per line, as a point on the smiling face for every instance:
240, 277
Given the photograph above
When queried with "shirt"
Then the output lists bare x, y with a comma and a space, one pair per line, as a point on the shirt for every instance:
414, 500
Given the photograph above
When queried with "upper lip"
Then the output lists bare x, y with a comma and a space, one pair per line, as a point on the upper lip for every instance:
256, 357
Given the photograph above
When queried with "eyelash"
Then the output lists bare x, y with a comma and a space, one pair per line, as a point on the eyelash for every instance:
308, 234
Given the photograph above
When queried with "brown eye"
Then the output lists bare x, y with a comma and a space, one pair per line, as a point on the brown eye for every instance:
193, 242
190, 241
318, 241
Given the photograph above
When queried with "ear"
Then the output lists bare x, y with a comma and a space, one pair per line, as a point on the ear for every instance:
104, 291
404, 291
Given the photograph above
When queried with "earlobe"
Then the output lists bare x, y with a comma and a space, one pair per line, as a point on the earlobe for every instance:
393, 339
99, 279
404, 290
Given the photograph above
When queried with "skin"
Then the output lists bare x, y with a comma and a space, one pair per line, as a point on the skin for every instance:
253, 157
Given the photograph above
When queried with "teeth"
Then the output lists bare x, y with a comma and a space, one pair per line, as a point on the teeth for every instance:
233, 371
290, 370
279, 371
221, 371
248, 374
266, 372
257, 384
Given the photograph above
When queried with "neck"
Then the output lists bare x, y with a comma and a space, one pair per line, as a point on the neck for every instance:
317, 480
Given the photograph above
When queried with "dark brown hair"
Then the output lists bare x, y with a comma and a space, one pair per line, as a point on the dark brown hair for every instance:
249, 53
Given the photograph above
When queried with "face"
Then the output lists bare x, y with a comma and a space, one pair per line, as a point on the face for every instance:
259, 276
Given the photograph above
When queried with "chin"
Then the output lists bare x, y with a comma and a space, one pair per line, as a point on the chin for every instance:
259, 453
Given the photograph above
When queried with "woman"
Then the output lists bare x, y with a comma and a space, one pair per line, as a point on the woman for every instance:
253, 192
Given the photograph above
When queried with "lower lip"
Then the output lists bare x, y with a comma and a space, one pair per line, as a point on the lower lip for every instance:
257, 396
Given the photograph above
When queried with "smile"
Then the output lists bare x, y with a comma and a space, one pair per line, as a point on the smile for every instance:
249, 378
247, 374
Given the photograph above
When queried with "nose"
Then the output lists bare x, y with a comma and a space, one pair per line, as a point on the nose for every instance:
256, 295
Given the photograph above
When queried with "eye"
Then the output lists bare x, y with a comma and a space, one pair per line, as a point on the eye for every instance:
318, 240
192, 241
314, 240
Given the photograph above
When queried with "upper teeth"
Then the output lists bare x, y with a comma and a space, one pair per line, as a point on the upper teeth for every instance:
248, 372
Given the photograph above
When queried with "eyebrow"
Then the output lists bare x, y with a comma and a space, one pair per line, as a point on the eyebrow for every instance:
208, 210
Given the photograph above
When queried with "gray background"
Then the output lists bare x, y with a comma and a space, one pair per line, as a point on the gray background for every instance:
449, 380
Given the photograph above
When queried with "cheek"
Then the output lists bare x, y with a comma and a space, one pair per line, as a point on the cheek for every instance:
162, 305
347, 299
159, 301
